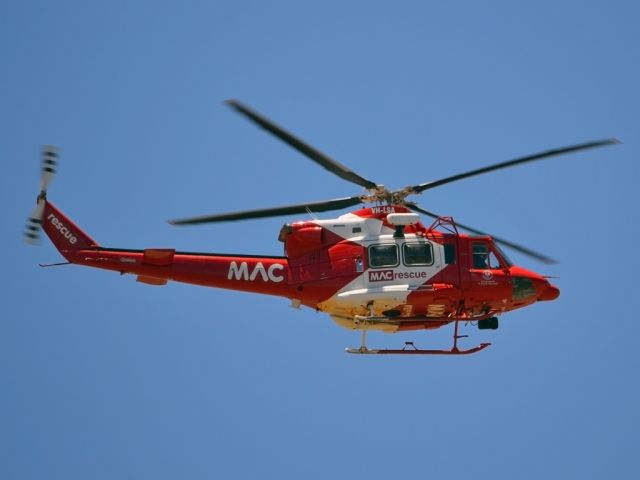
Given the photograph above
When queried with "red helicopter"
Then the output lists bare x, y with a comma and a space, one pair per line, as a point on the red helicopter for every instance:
377, 268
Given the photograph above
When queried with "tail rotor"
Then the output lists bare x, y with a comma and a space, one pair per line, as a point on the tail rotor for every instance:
48, 171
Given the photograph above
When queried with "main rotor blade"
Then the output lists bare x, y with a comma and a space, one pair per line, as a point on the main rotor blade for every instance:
324, 206
510, 163
514, 246
320, 158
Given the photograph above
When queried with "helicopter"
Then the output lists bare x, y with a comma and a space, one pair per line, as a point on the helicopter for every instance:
377, 268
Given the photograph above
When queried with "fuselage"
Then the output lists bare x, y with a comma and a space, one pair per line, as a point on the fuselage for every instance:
354, 266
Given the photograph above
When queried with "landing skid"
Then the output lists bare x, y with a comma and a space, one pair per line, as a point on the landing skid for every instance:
415, 351
410, 349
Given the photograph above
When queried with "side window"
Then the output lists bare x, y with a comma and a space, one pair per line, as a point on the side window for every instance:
383, 255
483, 258
417, 254
449, 253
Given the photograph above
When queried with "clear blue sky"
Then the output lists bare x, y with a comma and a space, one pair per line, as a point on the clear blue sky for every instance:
106, 378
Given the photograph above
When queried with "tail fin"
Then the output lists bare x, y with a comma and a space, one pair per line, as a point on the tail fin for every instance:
65, 235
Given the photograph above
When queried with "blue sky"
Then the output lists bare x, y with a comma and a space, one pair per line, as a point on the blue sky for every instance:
103, 377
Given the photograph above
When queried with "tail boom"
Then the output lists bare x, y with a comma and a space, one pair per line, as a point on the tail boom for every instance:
257, 274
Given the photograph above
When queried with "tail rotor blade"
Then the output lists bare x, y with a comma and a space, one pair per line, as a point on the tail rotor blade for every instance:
49, 165
34, 225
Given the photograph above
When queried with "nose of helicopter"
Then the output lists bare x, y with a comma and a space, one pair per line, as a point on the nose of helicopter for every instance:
527, 284
548, 292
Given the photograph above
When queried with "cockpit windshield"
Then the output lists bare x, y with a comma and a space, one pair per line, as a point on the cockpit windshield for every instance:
504, 256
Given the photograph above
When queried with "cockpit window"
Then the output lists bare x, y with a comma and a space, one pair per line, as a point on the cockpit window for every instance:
480, 255
383, 255
417, 254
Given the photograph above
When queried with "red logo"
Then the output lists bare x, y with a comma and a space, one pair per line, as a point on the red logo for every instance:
380, 275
